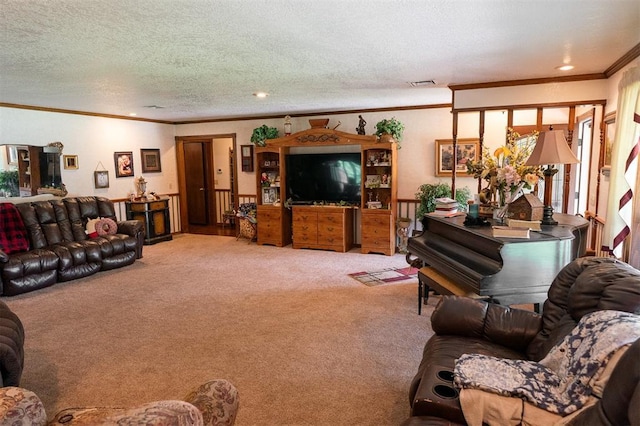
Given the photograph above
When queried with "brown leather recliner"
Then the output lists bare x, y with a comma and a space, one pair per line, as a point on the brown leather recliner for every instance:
59, 248
464, 325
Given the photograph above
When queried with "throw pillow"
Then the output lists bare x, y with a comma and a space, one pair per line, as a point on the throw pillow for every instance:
106, 226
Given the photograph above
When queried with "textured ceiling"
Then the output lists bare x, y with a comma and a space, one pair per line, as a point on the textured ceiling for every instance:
200, 59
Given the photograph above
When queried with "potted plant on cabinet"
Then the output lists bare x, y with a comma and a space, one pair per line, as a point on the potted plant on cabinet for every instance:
428, 192
390, 130
262, 133
9, 183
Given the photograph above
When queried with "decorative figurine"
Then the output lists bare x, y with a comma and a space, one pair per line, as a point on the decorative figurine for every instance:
361, 124
141, 187
287, 125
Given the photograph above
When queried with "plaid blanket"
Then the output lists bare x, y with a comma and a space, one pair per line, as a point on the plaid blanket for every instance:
13, 234
563, 381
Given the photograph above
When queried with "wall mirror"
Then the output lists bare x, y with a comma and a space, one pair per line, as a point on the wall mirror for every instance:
27, 170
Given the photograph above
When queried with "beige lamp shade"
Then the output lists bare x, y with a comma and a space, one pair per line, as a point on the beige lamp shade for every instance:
551, 148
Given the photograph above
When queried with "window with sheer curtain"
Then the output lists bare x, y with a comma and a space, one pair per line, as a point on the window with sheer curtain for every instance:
624, 188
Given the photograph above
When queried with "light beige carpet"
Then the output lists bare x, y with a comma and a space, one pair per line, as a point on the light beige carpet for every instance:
304, 343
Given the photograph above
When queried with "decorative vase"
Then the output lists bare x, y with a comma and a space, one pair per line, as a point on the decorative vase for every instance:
387, 138
402, 230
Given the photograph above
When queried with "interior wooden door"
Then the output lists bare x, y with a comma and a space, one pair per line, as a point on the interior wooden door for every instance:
196, 180
199, 184
200, 160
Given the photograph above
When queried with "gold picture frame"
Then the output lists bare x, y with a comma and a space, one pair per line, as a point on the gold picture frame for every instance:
70, 162
609, 134
468, 149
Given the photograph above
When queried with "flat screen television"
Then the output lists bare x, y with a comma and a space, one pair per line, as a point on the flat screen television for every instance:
327, 177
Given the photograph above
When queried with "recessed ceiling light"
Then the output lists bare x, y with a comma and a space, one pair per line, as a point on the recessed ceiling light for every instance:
261, 94
132, 114
565, 67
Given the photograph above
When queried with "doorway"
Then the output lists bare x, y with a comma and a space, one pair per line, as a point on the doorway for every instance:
207, 182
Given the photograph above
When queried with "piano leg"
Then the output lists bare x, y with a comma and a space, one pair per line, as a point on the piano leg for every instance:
423, 293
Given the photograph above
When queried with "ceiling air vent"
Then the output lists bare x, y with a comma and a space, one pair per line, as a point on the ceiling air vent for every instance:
422, 83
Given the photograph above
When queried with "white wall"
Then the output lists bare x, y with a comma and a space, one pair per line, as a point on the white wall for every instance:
589, 90
221, 149
94, 140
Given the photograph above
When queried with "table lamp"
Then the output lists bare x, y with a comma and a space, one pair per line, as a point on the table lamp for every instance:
551, 148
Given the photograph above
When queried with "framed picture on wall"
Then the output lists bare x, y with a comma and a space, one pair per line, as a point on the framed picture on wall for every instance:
101, 179
246, 157
150, 160
70, 162
609, 135
124, 163
467, 150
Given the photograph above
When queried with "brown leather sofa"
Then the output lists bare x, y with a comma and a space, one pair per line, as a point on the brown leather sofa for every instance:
11, 347
463, 325
59, 248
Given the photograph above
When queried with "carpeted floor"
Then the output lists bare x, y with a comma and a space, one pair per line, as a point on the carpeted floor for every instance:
304, 343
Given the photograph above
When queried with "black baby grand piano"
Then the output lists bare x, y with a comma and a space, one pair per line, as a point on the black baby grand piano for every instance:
456, 259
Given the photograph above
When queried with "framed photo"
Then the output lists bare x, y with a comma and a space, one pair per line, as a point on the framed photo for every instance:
246, 157
269, 195
101, 179
609, 135
70, 162
150, 160
467, 149
373, 181
124, 163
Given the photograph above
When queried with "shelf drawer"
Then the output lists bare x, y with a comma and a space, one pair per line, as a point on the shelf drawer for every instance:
376, 221
268, 215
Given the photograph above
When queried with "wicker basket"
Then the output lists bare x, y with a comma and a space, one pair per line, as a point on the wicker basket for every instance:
248, 229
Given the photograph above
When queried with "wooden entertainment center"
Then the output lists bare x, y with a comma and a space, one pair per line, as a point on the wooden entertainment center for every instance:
328, 226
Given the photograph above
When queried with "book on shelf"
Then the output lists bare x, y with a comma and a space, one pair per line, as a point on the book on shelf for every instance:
445, 203
510, 232
440, 213
533, 225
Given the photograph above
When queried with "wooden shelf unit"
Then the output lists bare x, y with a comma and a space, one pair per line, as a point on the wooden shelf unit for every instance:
274, 220
379, 198
29, 170
377, 224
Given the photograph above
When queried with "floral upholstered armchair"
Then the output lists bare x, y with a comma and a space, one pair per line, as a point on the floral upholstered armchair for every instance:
213, 403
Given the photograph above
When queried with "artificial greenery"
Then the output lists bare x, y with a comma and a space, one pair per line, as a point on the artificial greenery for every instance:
428, 192
9, 183
262, 133
391, 126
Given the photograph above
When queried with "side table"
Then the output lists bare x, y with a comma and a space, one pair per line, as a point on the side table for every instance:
155, 216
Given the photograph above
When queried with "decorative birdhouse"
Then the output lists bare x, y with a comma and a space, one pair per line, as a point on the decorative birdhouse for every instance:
526, 207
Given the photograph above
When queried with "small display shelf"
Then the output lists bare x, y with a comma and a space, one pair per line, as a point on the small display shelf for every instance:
378, 175
274, 221
378, 199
